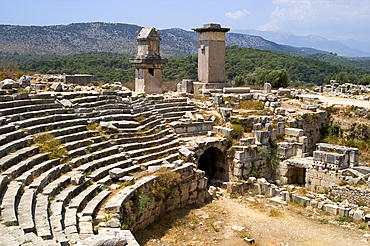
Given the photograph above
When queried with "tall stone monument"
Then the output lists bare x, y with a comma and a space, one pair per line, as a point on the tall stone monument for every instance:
211, 56
148, 62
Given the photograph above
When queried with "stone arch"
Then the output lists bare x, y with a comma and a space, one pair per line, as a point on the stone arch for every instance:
213, 162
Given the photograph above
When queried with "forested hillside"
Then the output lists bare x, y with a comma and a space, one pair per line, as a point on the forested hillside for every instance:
245, 65
117, 38
361, 62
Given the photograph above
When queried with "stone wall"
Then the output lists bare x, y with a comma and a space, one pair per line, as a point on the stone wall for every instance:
192, 190
311, 123
320, 180
303, 171
352, 194
249, 163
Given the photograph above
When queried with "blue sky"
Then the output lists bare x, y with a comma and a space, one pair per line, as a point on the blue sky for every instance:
333, 19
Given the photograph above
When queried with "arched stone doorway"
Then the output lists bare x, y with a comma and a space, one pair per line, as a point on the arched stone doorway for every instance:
213, 163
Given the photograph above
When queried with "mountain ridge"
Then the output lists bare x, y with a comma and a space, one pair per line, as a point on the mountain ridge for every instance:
341, 48
118, 38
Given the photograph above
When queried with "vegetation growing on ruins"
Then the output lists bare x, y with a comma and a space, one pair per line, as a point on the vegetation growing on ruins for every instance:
165, 184
48, 144
272, 159
251, 105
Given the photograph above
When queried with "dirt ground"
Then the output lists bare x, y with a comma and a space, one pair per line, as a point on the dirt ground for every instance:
344, 101
268, 224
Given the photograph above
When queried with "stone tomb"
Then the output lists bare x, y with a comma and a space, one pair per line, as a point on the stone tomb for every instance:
148, 62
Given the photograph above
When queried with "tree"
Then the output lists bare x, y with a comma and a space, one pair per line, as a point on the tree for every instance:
239, 80
278, 78
342, 78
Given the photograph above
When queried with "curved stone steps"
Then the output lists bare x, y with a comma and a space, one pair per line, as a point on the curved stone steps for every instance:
102, 172
170, 158
41, 217
91, 147
55, 125
28, 176
70, 139
23, 166
139, 139
137, 153
67, 131
78, 161
175, 109
115, 117
155, 156
25, 210
29, 123
6, 129
46, 177
92, 206
101, 162
15, 157
27, 108
23, 102
10, 201
14, 146
11, 136
148, 144
53, 110
142, 133
170, 104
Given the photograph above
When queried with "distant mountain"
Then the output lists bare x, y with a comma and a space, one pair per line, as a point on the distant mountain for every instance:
312, 41
117, 38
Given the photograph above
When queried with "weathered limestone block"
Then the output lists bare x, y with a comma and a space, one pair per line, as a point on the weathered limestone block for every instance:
300, 199
285, 196
331, 208
261, 137
295, 132
358, 214
223, 130
267, 88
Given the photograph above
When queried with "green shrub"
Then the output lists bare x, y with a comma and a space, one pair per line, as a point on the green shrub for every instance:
272, 159
361, 203
93, 127
107, 218
254, 172
238, 131
324, 221
344, 218
235, 121
229, 141
143, 202
165, 184
48, 143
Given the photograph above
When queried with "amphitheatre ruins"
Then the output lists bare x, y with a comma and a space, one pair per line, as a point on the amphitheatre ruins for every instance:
89, 165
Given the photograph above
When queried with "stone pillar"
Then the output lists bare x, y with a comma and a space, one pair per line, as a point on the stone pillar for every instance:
148, 62
211, 55
267, 88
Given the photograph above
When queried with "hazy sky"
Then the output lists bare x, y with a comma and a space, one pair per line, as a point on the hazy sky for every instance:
333, 19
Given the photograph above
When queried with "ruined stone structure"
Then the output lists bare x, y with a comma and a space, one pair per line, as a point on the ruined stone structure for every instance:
148, 62
211, 56
79, 79
115, 144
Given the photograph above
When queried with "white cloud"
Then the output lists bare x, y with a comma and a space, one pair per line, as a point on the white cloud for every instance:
237, 14
312, 16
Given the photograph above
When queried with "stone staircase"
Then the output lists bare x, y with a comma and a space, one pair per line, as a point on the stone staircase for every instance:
56, 201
